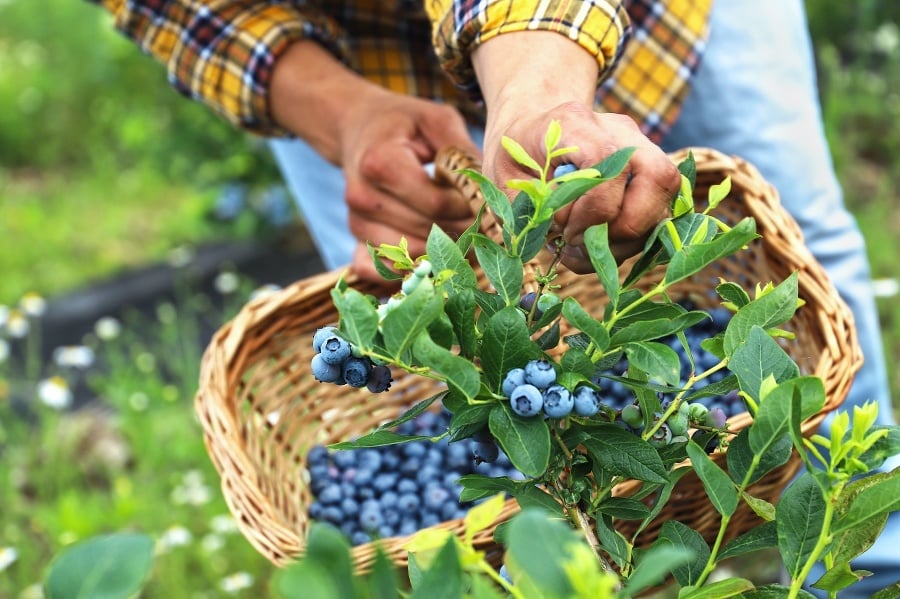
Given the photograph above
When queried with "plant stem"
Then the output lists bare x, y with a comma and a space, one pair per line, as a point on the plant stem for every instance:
821, 544
511, 589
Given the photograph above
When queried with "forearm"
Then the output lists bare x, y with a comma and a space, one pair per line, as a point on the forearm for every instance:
312, 93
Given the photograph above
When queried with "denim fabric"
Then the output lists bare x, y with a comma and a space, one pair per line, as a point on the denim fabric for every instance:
754, 96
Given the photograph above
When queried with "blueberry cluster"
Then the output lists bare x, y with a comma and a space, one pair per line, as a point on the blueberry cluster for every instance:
533, 389
397, 490
337, 362
675, 428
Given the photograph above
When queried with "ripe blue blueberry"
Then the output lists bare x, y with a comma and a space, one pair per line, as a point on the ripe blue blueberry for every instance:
323, 371
334, 350
540, 373
564, 169
586, 401
321, 335
526, 400
356, 371
513, 379
379, 379
485, 451
558, 401
370, 518
526, 302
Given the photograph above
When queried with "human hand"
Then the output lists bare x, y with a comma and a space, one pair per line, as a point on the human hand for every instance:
385, 144
631, 204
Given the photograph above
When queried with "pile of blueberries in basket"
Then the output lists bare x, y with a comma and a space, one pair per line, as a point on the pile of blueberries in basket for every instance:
396, 490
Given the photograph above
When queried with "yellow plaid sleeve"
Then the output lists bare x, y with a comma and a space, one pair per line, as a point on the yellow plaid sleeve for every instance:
459, 26
222, 52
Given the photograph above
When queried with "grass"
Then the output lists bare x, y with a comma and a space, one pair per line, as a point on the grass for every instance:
96, 178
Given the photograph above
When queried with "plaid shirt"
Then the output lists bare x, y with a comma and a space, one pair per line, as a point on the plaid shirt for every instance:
222, 52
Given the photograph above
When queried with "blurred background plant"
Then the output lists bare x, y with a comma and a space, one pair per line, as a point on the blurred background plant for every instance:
103, 168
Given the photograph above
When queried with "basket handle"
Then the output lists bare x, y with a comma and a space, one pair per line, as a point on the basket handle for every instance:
448, 163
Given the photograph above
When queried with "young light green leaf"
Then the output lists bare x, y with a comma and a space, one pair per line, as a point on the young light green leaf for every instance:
760, 507
684, 201
720, 589
719, 488
800, 517
733, 294
525, 441
502, 270
380, 267
552, 136
625, 454
655, 566
770, 310
531, 187
596, 242
445, 578
110, 566
518, 153
719, 192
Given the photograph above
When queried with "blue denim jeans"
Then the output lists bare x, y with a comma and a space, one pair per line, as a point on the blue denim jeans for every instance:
754, 96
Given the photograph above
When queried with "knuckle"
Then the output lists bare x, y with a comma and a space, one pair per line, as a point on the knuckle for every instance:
372, 165
359, 199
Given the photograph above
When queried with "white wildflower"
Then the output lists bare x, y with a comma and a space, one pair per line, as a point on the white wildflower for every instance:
145, 362
174, 536
107, 328
8, 556
237, 582
885, 287
35, 591
181, 256
886, 38
212, 543
73, 356
54, 392
138, 401
17, 324
192, 490
227, 282
223, 524
264, 291
33, 304
4, 350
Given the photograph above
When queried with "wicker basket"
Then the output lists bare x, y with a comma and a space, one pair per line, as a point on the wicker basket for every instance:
261, 409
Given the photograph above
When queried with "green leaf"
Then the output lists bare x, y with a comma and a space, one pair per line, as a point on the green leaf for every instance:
721, 589
383, 271
800, 516
403, 324
655, 566
885, 447
625, 454
576, 361
552, 136
774, 591
770, 310
740, 456
359, 318
872, 496
889, 592
688, 168
719, 192
461, 374
773, 417
525, 441
613, 165
502, 270
326, 564
684, 537
564, 194
445, 578
531, 497
518, 153
839, 577
719, 488
460, 308
377, 438
645, 330
535, 239
624, 508
535, 543
756, 358
733, 293
853, 541
445, 255
694, 258
596, 242
505, 345
104, 567
760, 507
382, 582
612, 541
493, 197
691, 229
478, 486
582, 320
658, 360
757, 538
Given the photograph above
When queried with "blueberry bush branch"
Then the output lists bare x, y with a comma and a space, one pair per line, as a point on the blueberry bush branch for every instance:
515, 382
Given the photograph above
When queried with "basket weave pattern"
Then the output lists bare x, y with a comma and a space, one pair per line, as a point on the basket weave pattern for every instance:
261, 409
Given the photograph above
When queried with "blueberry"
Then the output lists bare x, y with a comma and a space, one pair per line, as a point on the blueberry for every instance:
321, 335
384, 481
335, 350
698, 413
540, 373
389, 499
407, 485
408, 527
333, 514
513, 379
632, 415
344, 459
716, 417
558, 401
317, 454
323, 371
360, 538
678, 422
547, 301
504, 573
485, 451
586, 401
435, 496
564, 169
526, 400
526, 302
370, 518
408, 502
331, 495
356, 371
662, 436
